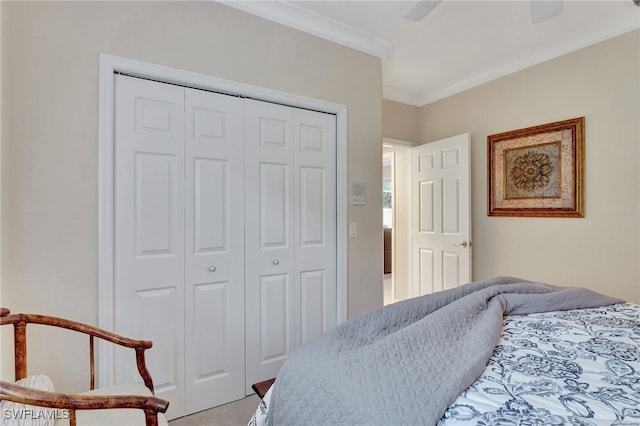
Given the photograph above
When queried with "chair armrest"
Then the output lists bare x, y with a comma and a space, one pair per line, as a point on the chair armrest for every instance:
75, 326
20, 394
20, 321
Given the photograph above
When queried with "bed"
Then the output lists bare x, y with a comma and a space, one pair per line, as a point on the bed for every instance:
570, 357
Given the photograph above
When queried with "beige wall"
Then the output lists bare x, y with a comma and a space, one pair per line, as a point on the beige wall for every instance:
50, 120
400, 121
601, 251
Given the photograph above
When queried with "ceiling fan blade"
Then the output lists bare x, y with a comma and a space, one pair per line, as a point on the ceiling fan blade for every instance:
421, 9
543, 10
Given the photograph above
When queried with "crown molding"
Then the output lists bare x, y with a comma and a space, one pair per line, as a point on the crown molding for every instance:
292, 16
403, 96
578, 41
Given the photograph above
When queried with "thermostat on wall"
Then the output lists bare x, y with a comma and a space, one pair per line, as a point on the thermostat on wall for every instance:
358, 192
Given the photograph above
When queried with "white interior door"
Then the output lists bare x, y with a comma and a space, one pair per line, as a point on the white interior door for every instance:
269, 250
441, 215
179, 246
214, 249
149, 232
315, 224
290, 219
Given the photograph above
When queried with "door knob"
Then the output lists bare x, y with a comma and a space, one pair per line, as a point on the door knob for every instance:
212, 268
463, 244
276, 262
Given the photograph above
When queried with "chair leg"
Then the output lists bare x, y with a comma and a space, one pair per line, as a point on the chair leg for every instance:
151, 417
20, 348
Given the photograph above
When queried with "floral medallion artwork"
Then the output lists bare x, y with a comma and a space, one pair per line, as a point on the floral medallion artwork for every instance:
537, 171
533, 172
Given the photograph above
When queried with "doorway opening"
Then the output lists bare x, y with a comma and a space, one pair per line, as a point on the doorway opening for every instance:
429, 187
387, 225
396, 230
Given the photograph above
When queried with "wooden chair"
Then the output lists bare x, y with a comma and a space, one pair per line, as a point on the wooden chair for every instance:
96, 400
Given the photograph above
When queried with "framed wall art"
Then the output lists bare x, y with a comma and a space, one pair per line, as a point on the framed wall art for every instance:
537, 171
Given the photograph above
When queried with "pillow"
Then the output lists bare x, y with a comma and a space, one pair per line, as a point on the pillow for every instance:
17, 414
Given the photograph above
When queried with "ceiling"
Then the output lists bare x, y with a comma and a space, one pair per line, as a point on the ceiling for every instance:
458, 45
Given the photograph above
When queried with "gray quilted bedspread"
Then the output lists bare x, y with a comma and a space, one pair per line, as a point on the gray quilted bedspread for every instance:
404, 364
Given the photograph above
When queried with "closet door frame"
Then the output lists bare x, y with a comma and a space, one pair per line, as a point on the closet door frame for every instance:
111, 64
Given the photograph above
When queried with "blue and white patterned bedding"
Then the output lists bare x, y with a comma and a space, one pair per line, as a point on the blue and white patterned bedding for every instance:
575, 368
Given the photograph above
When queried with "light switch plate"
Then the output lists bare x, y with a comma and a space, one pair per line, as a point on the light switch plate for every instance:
353, 229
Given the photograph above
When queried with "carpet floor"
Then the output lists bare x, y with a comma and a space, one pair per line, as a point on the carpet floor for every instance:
237, 413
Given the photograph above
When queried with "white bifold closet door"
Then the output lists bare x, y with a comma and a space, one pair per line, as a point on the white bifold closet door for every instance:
214, 249
290, 232
179, 257
149, 251
225, 237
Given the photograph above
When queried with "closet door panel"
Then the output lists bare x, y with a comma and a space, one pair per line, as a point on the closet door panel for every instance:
273, 317
210, 178
312, 182
313, 285
156, 311
214, 253
274, 205
269, 250
149, 231
315, 224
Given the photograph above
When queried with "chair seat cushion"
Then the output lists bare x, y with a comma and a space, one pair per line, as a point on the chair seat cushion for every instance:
114, 416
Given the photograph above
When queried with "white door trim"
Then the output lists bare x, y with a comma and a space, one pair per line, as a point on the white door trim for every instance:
110, 64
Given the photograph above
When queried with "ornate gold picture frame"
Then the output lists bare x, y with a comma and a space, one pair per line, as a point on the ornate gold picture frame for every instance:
537, 171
